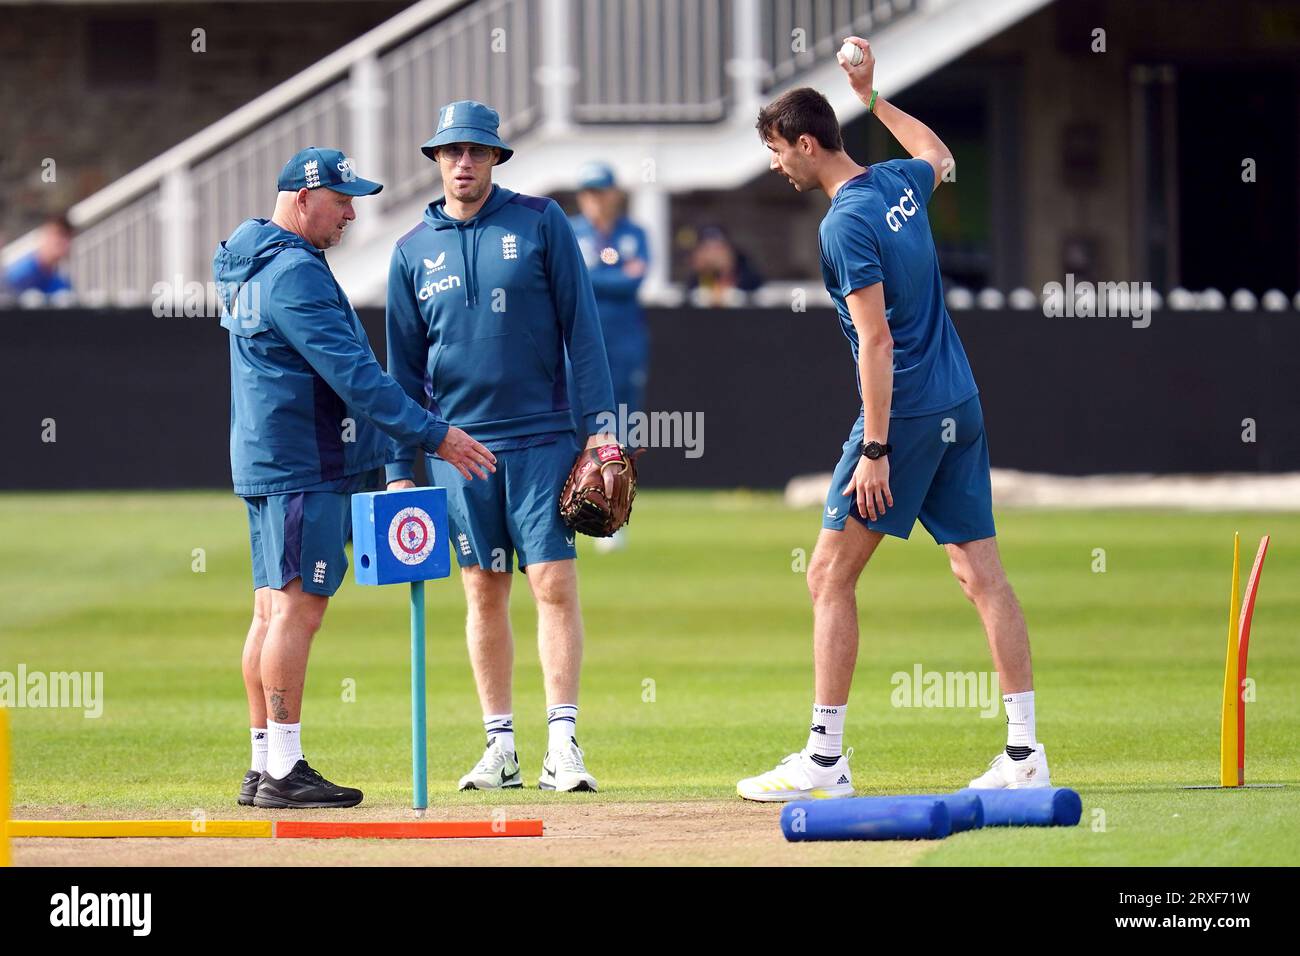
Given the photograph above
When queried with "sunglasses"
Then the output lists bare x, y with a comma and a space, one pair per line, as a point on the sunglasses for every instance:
477, 154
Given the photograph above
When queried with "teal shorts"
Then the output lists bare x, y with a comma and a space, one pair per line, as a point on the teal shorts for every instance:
303, 534
938, 472
514, 511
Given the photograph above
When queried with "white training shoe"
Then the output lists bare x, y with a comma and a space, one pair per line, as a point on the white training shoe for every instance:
496, 770
563, 770
798, 777
1007, 774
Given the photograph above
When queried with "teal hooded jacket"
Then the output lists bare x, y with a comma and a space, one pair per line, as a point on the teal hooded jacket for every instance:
309, 403
483, 314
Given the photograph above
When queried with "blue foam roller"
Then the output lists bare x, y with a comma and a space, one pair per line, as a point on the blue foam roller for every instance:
1035, 807
866, 818
965, 809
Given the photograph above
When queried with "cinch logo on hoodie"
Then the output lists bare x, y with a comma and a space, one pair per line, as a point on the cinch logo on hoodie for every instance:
442, 285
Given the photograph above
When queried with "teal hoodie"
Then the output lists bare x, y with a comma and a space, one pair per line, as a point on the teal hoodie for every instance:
481, 315
309, 403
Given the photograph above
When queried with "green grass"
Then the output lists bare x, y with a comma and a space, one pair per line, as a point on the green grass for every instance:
707, 606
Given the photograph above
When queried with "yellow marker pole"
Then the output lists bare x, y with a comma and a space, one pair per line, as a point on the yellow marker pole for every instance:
1231, 681
141, 828
4, 787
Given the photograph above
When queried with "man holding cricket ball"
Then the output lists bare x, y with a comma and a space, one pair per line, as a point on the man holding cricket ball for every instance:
917, 449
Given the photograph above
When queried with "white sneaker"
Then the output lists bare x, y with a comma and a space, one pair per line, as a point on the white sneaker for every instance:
1007, 774
496, 770
797, 777
563, 770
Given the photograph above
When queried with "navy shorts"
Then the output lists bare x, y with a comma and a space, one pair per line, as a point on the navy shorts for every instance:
938, 472
300, 534
514, 511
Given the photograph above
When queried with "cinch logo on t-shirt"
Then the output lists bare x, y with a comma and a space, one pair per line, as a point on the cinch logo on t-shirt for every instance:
901, 209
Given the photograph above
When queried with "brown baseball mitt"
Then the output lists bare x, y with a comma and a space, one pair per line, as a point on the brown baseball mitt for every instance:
597, 496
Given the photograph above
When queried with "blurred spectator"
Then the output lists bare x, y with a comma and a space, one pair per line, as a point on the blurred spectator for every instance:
719, 270
39, 269
617, 255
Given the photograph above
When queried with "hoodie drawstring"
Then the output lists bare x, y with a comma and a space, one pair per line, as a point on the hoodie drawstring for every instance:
469, 256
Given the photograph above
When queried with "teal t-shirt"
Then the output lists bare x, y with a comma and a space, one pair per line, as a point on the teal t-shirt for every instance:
877, 230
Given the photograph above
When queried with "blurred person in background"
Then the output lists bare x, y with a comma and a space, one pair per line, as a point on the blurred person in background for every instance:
39, 269
617, 255
721, 274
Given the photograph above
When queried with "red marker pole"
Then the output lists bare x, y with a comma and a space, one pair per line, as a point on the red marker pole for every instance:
1243, 646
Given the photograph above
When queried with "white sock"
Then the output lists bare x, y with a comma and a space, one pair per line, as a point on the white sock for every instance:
826, 738
561, 725
501, 728
285, 748
1020, 719
258, 735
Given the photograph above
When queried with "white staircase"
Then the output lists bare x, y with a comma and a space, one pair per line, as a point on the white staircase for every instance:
666, 91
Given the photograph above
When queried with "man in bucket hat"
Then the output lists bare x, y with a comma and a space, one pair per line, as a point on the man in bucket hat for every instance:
486, 298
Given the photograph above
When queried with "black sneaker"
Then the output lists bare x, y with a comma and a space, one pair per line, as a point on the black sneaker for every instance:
303, 789
248, 789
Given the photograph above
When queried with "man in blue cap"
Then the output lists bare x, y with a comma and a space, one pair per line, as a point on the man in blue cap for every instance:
616, 254
311, 412
486, 298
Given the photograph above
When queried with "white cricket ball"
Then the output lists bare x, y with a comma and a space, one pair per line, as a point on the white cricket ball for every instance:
852, 52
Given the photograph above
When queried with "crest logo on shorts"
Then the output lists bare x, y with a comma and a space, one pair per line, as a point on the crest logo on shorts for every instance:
410, 535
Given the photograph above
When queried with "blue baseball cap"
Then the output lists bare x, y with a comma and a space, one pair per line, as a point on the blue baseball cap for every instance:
466, 121
595, 175
317, 166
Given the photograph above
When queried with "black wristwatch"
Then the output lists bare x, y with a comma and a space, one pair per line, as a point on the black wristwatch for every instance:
874, 450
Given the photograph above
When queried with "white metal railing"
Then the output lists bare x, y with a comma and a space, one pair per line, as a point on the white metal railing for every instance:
651, 60
488, 53
544, 64
800, 34
238, 182
117, 260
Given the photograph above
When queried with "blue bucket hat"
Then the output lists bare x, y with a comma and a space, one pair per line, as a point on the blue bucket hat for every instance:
466, 121
316, 166
595, 175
